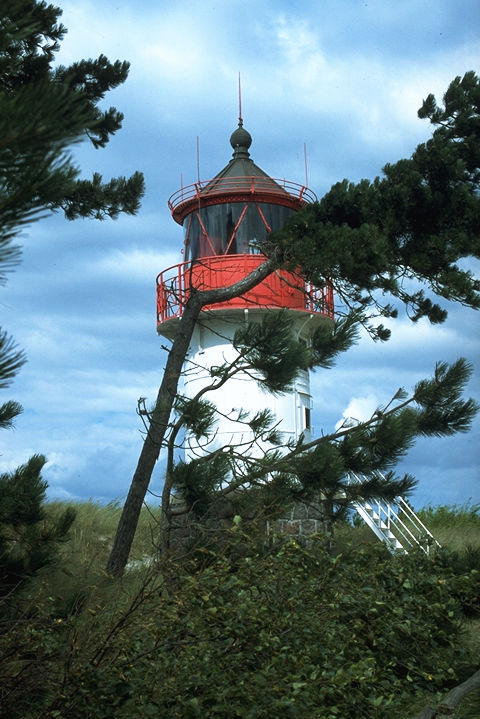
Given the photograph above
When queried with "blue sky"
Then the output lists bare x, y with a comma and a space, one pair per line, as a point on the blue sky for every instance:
345, 78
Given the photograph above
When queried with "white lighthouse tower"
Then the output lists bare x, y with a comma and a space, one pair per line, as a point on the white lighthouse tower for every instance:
225, 219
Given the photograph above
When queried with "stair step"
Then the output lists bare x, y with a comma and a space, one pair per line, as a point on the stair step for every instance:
400, 516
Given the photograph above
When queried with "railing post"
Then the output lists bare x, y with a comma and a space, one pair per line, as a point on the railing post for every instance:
180, 286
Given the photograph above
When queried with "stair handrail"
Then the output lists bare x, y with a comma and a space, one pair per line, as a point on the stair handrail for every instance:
397, 522
416, 519
376, 528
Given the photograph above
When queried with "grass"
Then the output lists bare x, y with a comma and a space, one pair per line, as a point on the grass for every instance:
79, 578
93, 531
455, 527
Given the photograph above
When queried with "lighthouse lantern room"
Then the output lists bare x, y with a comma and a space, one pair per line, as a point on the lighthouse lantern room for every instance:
225, 221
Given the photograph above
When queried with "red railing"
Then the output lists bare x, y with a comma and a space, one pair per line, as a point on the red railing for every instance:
271, 188
281, 289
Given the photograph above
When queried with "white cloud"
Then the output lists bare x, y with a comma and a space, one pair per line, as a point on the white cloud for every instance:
134, 263
359, 409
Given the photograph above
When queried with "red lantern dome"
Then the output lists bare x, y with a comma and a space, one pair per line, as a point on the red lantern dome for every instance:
225, 220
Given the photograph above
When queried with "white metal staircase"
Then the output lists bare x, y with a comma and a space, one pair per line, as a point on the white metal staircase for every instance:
395, 524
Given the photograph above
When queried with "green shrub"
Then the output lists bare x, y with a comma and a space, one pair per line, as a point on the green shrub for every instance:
243, 632
292, 633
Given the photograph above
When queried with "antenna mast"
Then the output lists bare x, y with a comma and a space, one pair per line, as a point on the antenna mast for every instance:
198, 159
240, 118
305, 160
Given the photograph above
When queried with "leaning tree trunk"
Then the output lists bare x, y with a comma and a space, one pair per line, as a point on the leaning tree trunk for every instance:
158, 424
160, 417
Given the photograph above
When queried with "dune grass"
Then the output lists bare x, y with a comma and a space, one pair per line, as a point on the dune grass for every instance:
456, 526
93, 531
78, 578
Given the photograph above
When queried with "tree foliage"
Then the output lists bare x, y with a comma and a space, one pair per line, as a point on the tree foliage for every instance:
44, 110
416, 222
28, 541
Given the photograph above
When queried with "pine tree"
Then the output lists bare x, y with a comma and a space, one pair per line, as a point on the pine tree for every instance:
383, 244
28, 540
43, 112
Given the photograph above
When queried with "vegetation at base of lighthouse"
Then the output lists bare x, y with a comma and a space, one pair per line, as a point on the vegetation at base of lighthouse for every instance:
44, 111
249, 631
391, 243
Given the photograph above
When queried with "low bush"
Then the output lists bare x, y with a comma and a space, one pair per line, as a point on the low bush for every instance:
290, 632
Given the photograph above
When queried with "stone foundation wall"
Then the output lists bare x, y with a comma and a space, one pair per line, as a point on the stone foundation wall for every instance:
302, 520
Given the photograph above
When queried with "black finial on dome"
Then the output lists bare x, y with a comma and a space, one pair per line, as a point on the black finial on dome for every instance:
240, 140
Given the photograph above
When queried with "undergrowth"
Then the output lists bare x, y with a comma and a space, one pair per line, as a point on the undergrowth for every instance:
277, 631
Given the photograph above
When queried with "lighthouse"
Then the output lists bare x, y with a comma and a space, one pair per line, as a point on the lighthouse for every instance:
225, 220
